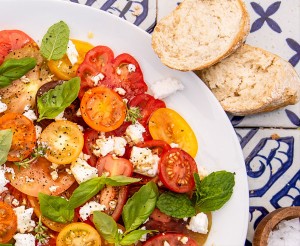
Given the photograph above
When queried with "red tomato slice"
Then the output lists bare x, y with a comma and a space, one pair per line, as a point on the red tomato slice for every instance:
158, 147
11, 40
147, 104
90, 136
173, 239
176, 169
24, 136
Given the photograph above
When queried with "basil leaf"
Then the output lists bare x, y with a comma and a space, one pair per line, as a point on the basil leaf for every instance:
106, 226
53, 102
139, 207
86, 191
215, 190
13, 69
5, 144
133, 237
120, 180
176, 205
55, 42
55, 208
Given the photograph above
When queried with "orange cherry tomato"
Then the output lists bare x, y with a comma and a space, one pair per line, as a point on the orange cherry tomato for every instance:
103, 109
24, 136
8, 222
78, 233
62, 68
64, 141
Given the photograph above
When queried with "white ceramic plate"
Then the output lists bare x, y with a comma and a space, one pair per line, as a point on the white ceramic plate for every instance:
219, 148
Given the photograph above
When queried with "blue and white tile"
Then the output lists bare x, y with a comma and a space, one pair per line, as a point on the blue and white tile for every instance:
273, 168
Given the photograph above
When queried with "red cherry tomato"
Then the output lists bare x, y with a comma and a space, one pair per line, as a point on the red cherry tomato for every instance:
176, 169
173, 239
90, 136
11, 40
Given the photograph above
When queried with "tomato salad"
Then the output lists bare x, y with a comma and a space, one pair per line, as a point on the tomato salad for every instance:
89, 156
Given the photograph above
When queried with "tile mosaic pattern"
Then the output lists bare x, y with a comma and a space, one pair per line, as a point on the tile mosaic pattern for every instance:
271, 155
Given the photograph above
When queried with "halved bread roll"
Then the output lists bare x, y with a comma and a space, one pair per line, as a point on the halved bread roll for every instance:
199, 33
252, 80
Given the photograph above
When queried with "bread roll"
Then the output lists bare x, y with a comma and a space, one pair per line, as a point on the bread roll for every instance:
199, 33
252, 80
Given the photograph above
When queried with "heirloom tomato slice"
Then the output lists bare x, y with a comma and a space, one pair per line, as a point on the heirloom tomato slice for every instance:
172, 239
8, 222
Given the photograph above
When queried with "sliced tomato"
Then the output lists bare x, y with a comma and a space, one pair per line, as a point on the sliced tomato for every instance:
147, 105
64, 141
176, 170
103, 109
166, 124
90, 136
63, 68
173, 239
11, 40
158, 147
8, 222
78, 233
24, 136
97, 61
37, 178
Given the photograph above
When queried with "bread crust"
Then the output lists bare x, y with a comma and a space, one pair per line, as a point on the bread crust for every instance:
166, 46
251, 81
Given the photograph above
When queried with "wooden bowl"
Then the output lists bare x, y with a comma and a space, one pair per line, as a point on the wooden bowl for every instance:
269, 222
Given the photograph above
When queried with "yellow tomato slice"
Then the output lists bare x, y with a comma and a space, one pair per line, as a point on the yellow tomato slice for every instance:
62, 68
78, 233
166, 124
64, 141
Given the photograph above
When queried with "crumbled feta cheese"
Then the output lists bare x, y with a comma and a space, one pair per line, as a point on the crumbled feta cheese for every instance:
84, 156
110, 145
166, 243
174, 145
199, 223
144, 162
87, 209
144, 237
120, 91
60, 116
78, 113
112, 204
24, 239
131, 68
54, 175
80, 127
97, 78
3, 180
82, 171
118, 71
54, 166
38, 131
68, 171
53, 188
120, 231
15, 202
184, 240
25, 79
202, 172
29, 113
24, 221
3, 106
119, 146
164, 88
72, 53
135, 133
28, 180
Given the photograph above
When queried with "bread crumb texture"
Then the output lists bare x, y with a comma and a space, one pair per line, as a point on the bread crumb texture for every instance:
200, 32
252, 80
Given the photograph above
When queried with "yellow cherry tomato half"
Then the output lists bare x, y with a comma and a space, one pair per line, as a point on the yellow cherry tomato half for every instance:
63, 68
102, 109
166, 124
78, 233
64, 141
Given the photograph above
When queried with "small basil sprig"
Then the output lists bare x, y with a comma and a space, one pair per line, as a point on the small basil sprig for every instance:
60, 210
55, 42
5, 144
13, 69
54, 101
136, 210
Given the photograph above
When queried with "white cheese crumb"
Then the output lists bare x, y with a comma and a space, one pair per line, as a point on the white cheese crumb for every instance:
164, 88
118, 71
3, 180
131, 68
82, 171
166, 243
60, 116
202, 172
53, 188
38, 131
29, 113
54, 175
78, 113
110, 145
3, 106
144, 237
80, 127
15, 202
135, 133
87, 209
120, 91
24, 239
72, 53
199, 223
24, 221
28, 180
97, 78
184, 240
174, 145
25, 79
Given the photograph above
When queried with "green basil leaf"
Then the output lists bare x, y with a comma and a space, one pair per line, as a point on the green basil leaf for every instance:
53, 102
120, 180
139, 207
5, 244
55, 42
176, 205
55, 208
13, 69
215, 190
133, 237
86, 191
5, 144
106, 226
